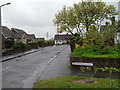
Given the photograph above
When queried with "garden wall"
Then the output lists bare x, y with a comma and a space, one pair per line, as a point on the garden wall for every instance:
98, 62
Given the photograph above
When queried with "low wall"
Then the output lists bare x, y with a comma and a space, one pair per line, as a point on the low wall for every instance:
10, 52
98, 62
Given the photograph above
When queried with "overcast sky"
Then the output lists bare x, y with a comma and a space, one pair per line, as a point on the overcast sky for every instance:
34, 16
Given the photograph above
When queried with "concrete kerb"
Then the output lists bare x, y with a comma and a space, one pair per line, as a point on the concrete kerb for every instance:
17, 56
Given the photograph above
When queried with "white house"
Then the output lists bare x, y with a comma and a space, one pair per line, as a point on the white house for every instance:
117, 39
62, 39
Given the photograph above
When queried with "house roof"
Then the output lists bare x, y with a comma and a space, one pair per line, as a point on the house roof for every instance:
62, 37
7, 33
39, 39
30, 36
18, 33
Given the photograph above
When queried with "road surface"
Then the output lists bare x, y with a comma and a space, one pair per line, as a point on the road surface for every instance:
49, 62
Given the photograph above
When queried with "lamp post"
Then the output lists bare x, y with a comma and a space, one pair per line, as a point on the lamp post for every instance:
1, 30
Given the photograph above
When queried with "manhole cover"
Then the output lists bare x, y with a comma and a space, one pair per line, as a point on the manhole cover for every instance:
89, 81
17, 60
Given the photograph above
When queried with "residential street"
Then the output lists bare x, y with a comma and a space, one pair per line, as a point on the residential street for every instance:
49, 62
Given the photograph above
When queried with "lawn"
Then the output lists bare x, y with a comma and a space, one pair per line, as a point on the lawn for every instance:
77, 82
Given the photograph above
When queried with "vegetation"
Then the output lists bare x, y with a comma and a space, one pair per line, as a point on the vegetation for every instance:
40, 43
19, 45
77, 82
33, 45
79, 17
92, 51
9, 44
96, 69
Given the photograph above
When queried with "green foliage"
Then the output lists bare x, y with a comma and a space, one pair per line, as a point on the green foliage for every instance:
32, 45
19, 45
76, 39
93, 38
41, 43
9, 44
92, 51
96, 69
82, 69
79, 17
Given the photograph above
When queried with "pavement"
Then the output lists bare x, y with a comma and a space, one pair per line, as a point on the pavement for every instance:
10, 57
24, 71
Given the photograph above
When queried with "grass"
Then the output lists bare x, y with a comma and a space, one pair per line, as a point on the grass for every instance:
75, 54
95, 52
77, 82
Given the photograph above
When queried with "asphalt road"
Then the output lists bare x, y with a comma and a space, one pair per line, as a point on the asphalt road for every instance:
49, 62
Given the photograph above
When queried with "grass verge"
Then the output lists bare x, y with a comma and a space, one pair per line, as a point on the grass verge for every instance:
77, 82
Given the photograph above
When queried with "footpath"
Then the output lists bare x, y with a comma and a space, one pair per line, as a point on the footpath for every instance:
9, 57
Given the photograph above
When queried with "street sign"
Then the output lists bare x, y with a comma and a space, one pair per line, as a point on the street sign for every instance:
82, 64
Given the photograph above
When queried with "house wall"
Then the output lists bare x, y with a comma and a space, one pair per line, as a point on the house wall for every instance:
29, 41
60, 41
24, 39
117, 39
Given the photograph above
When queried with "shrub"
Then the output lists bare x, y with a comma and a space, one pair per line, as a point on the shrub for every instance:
19, 45
108, 50
33, 45
9, 44
40, 43
50, 43
92, 51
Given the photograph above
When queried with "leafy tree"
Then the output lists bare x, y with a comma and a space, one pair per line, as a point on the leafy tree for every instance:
110, 32
93, 38
81, 16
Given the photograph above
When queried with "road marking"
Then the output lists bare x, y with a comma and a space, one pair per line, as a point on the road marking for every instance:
12, 85
5, 68
51, 59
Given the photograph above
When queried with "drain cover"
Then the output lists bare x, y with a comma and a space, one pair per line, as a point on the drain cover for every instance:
89, 81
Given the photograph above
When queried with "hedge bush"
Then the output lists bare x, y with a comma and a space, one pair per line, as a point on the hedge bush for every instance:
19, 45
9, 44
96, 52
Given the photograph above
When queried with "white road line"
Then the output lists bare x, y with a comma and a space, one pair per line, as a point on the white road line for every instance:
5, 68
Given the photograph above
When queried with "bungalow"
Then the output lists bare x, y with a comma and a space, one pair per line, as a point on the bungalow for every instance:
19, 35
30, 38
62, 39
7, 34
39, 39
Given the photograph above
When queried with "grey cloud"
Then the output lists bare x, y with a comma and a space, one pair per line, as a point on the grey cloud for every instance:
34, 16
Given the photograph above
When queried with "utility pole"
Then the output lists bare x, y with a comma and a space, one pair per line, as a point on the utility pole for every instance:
1, 31
1, 44
47, 36
0, 37
119, 10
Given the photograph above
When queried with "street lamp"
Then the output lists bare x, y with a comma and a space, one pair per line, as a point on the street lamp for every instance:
1, 30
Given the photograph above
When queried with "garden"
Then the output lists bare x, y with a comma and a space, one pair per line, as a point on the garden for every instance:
12, 47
